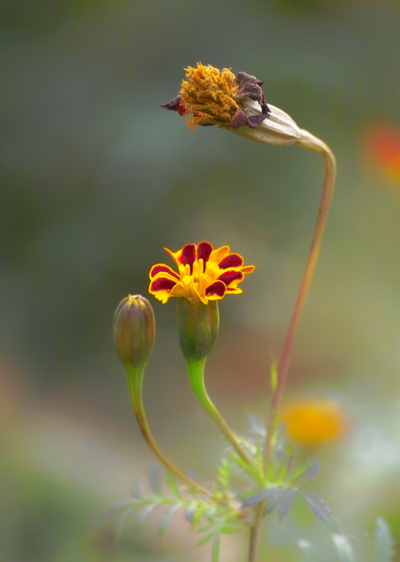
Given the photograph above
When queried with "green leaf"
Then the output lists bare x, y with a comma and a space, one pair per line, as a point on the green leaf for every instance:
286, 502
343, 549
260, 496
224, 472
167, 516
118, 507
321, 510
198, 515
275, 498
154, 474
172, 484
306, 472
274, 375
208, 536
144, 514
122, 521
308, 550
190, 512
210, 512
383, 541
231, 528
207, 527
216, 548
281, 451
257, 426
279, 495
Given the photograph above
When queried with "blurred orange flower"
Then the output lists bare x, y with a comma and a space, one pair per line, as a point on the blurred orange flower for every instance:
382, 148
312, 422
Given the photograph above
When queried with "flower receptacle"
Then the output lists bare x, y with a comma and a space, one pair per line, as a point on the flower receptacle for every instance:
198, 326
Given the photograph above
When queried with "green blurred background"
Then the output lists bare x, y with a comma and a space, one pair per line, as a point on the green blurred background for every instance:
97, 179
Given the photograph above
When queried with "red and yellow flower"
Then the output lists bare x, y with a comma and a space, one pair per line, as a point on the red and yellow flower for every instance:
203, 274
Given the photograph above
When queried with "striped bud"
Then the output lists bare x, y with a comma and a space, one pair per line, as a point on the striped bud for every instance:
134, 331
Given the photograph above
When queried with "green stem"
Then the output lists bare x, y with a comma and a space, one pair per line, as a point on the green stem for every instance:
135, 381
255, 534
312, 143
196, 375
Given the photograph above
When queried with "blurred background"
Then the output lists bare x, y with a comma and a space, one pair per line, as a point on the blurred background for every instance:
96, 179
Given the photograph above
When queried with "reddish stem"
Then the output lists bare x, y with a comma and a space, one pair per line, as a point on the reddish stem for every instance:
312, 143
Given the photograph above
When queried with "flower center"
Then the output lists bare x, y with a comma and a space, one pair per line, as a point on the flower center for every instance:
197, 278
208, 94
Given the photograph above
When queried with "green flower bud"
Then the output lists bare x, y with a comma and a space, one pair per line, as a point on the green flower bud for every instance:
134, 331
198, 325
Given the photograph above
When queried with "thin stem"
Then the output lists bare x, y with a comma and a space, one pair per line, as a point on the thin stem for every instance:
312, 143
196, 375
255, 534
135, 380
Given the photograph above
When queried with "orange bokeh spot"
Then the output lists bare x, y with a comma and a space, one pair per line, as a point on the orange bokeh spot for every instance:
382, 148
312, 422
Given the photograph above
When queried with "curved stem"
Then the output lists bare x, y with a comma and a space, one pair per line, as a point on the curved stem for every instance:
312, 143
135, 381
196, 375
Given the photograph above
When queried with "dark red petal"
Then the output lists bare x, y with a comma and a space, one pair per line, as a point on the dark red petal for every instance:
229, 276
217, 288
161, 268
231, 260
175, 105
162, 284
255, 120
204, 250
242, 118
250, 87
188, 255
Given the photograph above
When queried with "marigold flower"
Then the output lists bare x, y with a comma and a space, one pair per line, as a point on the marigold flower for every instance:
210, 96
204, 274
313, 422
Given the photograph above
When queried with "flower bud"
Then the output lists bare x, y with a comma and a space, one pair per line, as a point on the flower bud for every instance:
198, 325
134, 331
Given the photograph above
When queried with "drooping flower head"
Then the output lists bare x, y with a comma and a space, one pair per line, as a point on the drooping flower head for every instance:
203, 274
210, 96
217, 97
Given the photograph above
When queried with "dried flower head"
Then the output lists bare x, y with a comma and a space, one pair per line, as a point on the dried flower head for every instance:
210, 96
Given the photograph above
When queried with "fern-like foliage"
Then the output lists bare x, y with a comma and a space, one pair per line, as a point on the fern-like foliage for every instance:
235, 494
